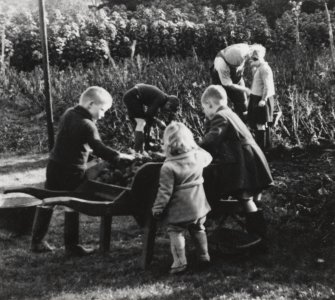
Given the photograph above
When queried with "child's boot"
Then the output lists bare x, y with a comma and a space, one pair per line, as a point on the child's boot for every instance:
260, 139
71, 235
177, 241
40, 228
255, 224
201, 245
139, 140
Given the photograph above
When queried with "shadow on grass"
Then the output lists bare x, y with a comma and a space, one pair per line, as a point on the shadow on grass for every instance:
12, 186
23, 166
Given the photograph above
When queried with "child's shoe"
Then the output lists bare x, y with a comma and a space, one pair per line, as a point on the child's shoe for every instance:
41, 247
178, 270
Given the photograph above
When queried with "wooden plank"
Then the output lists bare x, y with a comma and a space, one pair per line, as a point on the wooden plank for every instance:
105, 233
148, 241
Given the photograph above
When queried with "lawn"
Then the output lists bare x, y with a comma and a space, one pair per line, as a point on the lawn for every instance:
300, 263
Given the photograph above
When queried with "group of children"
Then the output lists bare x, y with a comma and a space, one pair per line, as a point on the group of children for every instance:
239, 169
227, 156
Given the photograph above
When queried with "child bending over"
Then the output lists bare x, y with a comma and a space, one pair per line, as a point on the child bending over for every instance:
143, 102
181, 200
240, 168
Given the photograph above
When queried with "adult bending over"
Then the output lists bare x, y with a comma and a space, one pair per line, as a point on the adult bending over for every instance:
227, 71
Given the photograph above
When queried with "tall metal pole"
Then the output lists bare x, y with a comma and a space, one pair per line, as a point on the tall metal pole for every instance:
47, 93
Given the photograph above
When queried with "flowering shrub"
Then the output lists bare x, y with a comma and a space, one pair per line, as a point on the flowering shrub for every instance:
94, 36
188, 29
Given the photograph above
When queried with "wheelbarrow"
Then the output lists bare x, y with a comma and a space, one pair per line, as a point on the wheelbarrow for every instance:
106, 200
17, 210
94, 198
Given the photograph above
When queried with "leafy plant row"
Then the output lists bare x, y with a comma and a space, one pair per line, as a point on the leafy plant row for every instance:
304, 89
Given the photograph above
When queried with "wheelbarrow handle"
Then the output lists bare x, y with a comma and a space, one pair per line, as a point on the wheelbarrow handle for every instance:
36, 192
119, 207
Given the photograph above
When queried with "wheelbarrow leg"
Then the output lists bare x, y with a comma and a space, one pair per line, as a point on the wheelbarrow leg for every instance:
148, 241
105, 233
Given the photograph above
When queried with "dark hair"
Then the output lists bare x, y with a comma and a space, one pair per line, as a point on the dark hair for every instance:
172, 103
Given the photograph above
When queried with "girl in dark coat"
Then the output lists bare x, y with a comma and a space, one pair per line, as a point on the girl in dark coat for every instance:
240, 168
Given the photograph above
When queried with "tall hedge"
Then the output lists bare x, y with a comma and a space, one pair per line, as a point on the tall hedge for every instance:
103, 35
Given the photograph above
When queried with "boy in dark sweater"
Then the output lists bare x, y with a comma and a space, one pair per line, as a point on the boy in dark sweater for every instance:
143, 102
77, 135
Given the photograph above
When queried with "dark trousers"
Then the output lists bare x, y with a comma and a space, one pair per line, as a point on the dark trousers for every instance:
59, 178
260, 115
62, 178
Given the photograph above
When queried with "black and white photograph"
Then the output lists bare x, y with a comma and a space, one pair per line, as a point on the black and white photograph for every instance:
167, 149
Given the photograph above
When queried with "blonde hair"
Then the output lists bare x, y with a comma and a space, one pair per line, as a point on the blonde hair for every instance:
96, 94
214, 94
258, 50
178, 139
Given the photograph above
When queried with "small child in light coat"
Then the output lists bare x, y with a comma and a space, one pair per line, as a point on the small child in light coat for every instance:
181, 201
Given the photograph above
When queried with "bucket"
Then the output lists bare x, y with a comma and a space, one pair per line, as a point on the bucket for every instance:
17, 212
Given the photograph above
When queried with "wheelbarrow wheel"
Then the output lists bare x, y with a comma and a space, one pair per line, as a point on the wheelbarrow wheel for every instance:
227, 241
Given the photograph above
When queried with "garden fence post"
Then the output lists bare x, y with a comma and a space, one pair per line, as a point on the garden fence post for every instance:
47, 93
3, 36
331, 37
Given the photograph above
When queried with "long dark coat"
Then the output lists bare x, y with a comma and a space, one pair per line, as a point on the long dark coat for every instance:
239, 166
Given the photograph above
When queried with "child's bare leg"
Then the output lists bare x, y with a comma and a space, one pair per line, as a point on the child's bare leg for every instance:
258, 197
139, 134
260, 136
249, 205
177, 242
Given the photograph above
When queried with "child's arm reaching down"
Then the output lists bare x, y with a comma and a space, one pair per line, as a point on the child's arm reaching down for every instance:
166, 184
211, 140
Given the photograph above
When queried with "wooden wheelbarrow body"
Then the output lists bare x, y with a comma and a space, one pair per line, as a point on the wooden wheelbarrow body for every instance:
98, 199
